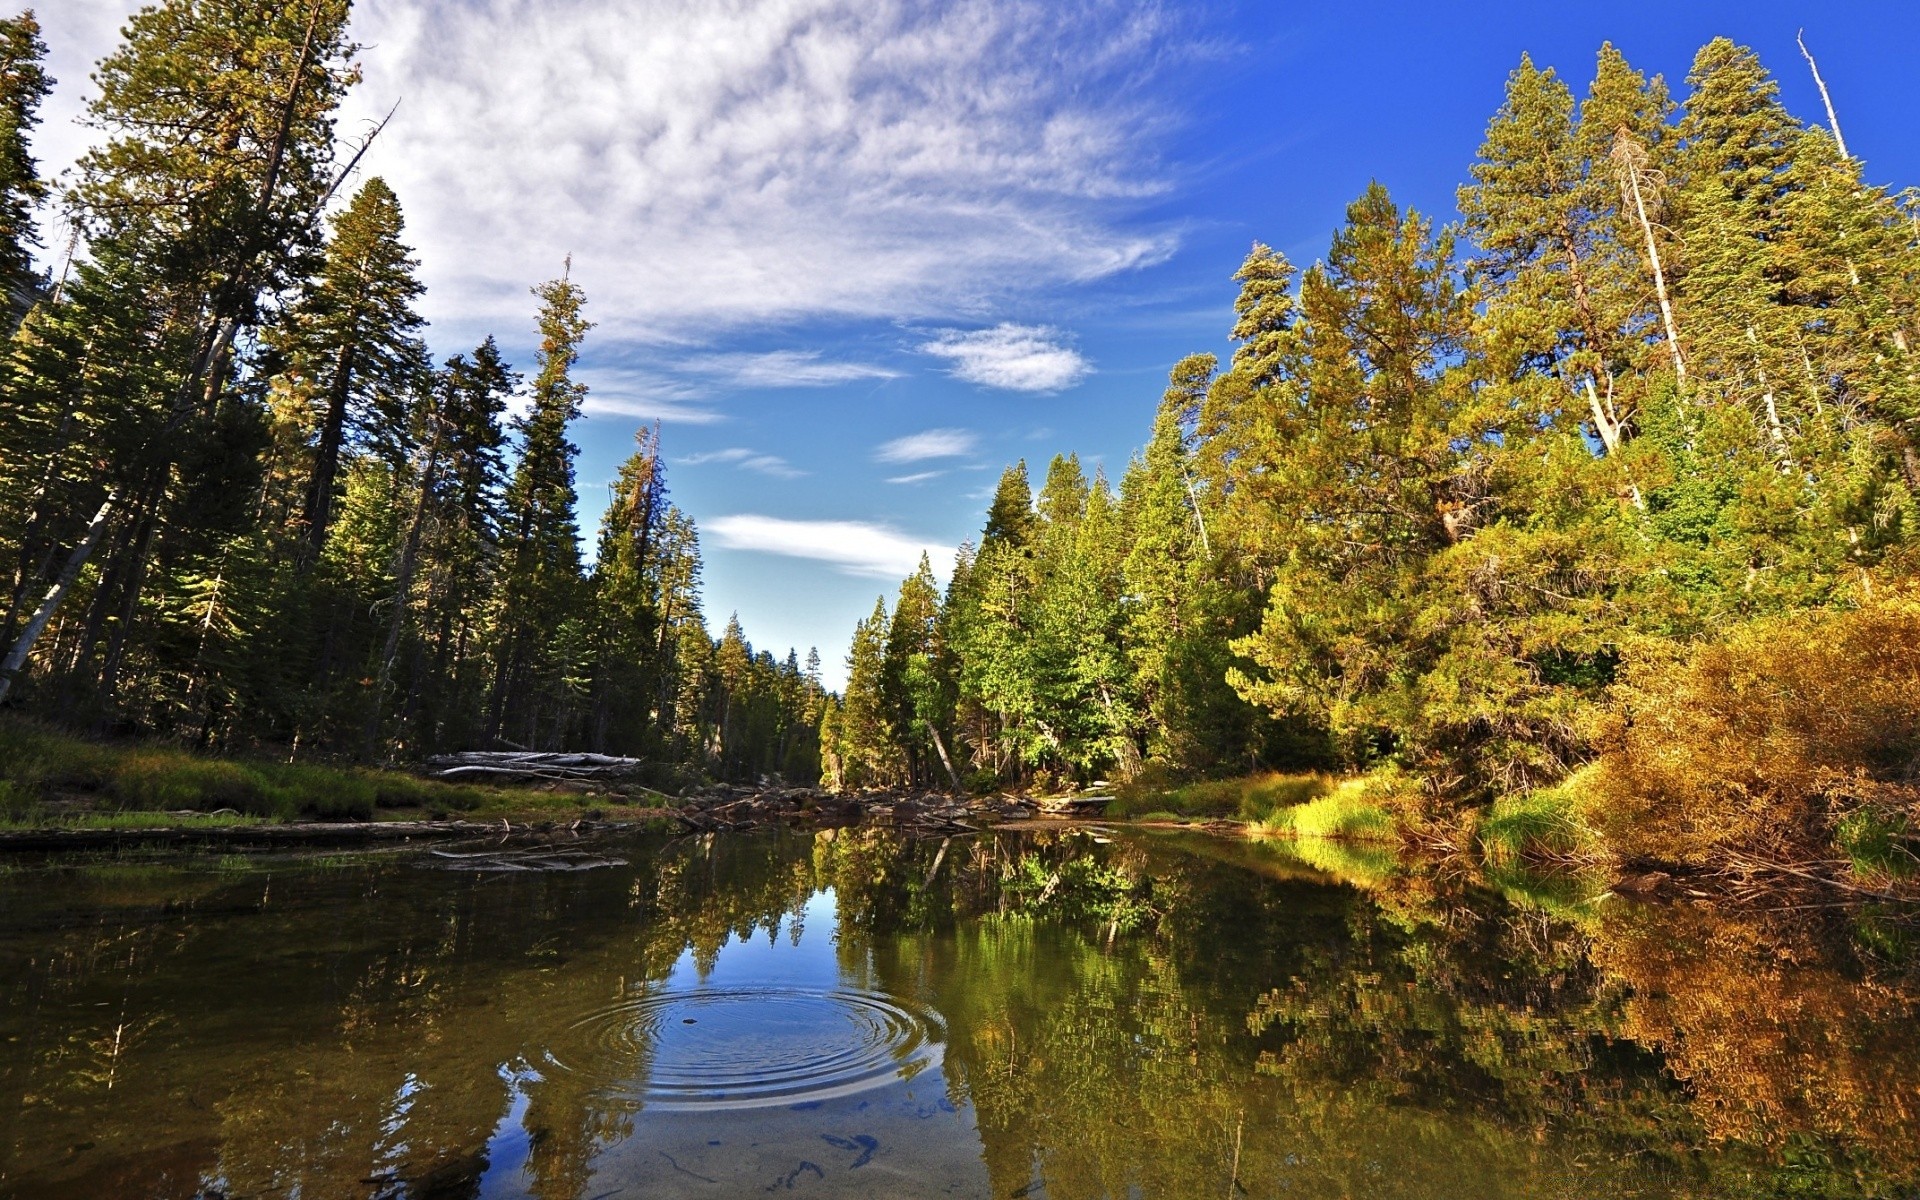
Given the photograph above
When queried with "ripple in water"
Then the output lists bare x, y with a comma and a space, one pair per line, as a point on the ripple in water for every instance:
753, 1047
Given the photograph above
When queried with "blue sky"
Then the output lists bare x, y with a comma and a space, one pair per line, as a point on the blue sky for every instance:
857, 255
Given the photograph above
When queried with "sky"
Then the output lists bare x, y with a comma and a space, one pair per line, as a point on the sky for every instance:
856, 256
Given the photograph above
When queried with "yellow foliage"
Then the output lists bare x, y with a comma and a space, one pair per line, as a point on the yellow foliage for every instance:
1772, 1038
1766, 740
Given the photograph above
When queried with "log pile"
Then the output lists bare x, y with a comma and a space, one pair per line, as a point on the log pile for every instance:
931, 814
523, 766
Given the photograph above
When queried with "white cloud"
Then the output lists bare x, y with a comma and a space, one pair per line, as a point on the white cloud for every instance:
746, 460
1019, 358
856, 547
713, 165
916, 477
644, 396
784, 369
931, 443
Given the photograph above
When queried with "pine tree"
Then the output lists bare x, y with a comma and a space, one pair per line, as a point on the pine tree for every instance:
354, 342
867, 747
24, 83
540, 552
203, 201
918, 695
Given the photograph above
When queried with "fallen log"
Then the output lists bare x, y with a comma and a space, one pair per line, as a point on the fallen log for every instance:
523, 766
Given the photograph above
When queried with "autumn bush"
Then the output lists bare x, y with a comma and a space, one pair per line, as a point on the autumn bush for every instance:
1776, 739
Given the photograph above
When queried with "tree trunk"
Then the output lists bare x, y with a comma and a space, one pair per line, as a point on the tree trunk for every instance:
1833, 118
403, 585
940, 745
1608, 424
1659, 275
326, 464
23, 645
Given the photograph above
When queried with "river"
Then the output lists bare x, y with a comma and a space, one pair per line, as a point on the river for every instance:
1050, 1014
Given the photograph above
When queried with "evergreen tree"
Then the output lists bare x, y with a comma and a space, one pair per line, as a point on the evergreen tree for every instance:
354, 345
540, 552
202, 203
918, 695
24, 83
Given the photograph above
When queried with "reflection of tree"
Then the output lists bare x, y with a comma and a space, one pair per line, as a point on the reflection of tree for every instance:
1127, 1066
328, 1027
1124, 1018
1780, 1037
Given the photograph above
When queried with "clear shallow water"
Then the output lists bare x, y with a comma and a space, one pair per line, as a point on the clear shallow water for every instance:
1029, 1015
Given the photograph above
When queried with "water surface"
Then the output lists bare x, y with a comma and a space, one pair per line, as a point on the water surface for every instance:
1051, 1015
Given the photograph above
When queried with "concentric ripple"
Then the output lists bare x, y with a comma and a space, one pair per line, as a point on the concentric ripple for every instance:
714, 1048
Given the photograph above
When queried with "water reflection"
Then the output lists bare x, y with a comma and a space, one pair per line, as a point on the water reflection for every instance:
1045, 1015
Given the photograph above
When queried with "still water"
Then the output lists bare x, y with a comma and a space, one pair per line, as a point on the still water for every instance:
1055, 1015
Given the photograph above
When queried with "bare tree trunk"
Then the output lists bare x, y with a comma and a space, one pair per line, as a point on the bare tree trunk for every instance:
1659, 274
23, 645
403, 584
1775, 432
1608, 423
1833, 118
940, 744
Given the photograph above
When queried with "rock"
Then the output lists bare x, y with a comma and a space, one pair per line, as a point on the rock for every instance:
1642, 883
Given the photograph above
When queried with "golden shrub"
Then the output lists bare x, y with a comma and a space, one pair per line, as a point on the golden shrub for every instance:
1766, 740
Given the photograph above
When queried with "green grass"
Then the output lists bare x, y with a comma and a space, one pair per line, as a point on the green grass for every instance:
1876, 845
1250, 798
1544, 825
123, 820
46, 775
1352, 810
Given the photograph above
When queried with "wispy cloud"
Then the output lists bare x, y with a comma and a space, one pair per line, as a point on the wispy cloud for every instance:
931, 443
746, 460
785, 369
916, 477
644, 395
1019, 358
712, 165
856, 547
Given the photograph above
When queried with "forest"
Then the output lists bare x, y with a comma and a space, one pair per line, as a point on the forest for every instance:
1591, 511
242, 505
1595, 506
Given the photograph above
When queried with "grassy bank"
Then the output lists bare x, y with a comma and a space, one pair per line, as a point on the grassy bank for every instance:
51, 779
1250, 798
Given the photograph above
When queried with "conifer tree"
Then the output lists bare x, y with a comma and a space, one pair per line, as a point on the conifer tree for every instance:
866, 746
202, 202
540, 551
918, 697
24, 83
354, 342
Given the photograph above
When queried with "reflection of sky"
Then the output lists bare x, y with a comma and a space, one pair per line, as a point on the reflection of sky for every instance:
811, 964
878, 1124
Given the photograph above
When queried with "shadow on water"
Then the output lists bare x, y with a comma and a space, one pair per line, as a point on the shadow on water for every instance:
1041, 1014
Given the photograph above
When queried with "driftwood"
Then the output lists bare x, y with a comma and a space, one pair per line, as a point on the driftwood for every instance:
1078, 806
922, 814
541, 859
521, 766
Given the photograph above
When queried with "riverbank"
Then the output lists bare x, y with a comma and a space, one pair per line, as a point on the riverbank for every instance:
62, 791
52, 782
